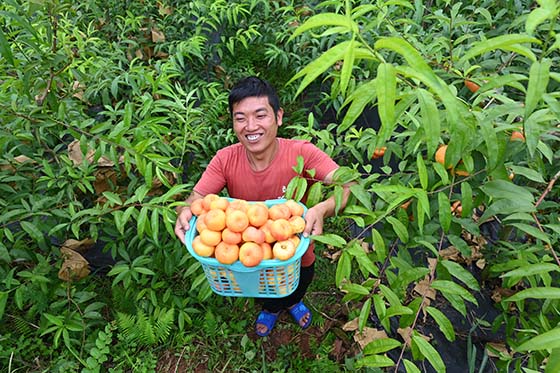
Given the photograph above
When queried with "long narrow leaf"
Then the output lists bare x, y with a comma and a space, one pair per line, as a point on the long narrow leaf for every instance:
319, 65
363, 95
347, 66
499, 42
429, 352
535, 293
443, 323
461, 273
323, 20
545, 341
431, 123
386, 88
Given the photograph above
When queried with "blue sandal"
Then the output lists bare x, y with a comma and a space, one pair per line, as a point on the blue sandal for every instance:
298, 311
267, 319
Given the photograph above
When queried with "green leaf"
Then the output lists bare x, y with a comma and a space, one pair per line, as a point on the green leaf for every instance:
539, 75
429, 353
538, 81
330, 239
381, 345
443, 323
444, 211
553, 361
322, 20
347, 66
545, 341
528, 173
154, 226
343, 268
3, 302
386, 95
451, 287
356, 289
374, 361
410, 367
361, 195
466, 199
142, 220
399, 228
508, 42
114, 198
461, 273
378, 245
546, 10
296, 188
506, 206
422, 171
364, 314
34, 232
531, 270
430, 121
319, 66
5, 49
532, 231
363, 95
502, 189
315, 194
535, 293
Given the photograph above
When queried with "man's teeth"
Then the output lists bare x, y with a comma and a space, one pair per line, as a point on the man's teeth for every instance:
252, 137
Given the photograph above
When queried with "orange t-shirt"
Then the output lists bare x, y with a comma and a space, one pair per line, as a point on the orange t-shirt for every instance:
230, 169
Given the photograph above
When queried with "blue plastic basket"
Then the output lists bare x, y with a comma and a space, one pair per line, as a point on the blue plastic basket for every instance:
272, 278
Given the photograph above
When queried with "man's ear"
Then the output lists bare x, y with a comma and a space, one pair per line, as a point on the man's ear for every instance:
279, 116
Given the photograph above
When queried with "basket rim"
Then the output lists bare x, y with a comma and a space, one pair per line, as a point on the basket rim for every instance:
238, 266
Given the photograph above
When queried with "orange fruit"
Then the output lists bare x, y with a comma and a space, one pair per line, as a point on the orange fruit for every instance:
517, 136
220, 203
440, 155
215, 220
196, 207
237, 220
257, 214
210, 237
207, 200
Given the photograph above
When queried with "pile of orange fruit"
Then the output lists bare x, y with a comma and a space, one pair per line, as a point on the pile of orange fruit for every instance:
235, 229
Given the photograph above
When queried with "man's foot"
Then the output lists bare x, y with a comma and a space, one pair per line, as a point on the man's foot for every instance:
301, 314
265, 323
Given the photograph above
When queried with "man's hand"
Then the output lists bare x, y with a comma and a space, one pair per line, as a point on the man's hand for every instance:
314, 218
182, 225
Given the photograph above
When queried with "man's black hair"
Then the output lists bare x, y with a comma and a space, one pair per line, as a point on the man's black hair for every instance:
253, 86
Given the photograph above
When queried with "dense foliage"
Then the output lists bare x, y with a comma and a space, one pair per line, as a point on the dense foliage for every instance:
111, 110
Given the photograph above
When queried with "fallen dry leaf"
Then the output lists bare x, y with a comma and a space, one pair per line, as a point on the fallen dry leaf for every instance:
74, 268
79, 246
157, 36
495, 349
367, 335
450, 253
351, 325
406, 334
423, 287
19, 159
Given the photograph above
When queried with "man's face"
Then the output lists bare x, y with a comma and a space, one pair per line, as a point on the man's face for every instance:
255, 124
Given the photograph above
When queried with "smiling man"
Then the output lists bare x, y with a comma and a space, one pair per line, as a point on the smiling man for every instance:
258, 168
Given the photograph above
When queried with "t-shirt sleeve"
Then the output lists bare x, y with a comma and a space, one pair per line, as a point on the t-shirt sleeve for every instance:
318, 160
213, 179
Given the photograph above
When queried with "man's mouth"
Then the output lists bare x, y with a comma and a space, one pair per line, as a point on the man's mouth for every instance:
254, 137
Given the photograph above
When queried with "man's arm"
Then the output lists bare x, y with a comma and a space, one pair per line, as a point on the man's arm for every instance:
184, 215
316, 215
